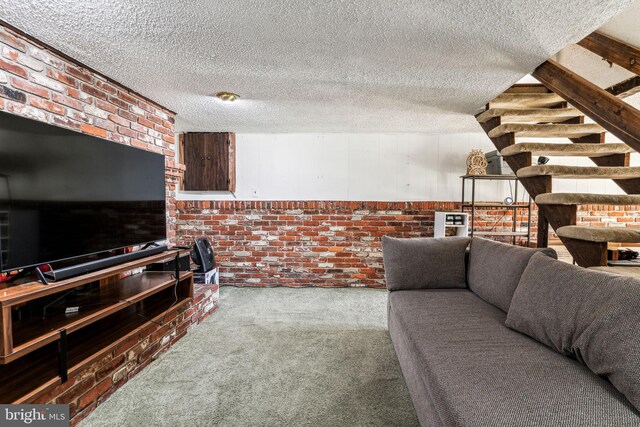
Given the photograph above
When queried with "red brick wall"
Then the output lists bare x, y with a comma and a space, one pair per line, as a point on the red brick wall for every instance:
303, 243
38, 83
328, 243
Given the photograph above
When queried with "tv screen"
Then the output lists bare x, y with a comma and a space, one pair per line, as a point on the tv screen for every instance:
64, 194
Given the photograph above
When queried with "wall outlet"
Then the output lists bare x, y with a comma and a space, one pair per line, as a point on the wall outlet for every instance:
254, 192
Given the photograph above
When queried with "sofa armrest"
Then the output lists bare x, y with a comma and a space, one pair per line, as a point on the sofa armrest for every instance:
424, 263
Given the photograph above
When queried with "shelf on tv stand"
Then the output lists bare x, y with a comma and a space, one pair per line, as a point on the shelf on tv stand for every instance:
32, 290
37, 372
115, 296
38, 353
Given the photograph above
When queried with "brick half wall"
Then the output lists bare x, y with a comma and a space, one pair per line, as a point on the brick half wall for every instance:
303, 243
333, 243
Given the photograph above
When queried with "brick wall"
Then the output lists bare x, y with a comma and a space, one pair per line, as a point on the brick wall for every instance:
303, 243
39, 83
328, 243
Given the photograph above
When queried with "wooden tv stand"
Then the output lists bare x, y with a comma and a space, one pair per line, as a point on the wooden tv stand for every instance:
40, 349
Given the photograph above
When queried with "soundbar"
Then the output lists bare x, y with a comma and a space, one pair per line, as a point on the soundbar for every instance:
88, 267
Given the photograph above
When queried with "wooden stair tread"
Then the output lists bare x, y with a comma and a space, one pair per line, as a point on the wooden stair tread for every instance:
529, 115
600, 234
526, 100
587, 199
580, 172
622, 271
543, 149
527, 88
546, 130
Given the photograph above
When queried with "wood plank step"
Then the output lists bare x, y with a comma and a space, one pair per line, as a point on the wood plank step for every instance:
622, 271
544, 149
527, 88
580, 172
600, 234
530, 115
588, 199
526, 100
546, 130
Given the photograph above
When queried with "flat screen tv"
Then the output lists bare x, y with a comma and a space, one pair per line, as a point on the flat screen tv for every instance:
65, 195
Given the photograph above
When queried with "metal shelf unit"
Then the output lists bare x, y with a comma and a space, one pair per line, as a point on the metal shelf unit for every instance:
473, 205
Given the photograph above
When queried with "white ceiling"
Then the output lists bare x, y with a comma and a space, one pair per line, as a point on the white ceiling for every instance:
315, 66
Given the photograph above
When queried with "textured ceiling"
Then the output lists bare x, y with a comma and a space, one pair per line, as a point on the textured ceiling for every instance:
314, 66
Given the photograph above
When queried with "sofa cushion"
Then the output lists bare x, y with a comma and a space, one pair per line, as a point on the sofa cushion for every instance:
589, 315
424, 263
495, 268
477, 372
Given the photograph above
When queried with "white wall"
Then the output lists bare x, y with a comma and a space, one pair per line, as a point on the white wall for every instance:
385, 167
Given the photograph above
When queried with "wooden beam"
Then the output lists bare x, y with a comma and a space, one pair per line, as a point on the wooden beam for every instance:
561, 214
542, 240
520, 160
625, 88
613, 114
587, 254
613, 50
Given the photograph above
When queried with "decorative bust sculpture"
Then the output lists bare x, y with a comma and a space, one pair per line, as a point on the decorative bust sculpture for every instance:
476, 163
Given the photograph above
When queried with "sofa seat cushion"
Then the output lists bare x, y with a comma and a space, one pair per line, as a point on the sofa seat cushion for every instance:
478, 372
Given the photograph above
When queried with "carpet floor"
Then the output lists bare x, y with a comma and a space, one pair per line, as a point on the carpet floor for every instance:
273, 357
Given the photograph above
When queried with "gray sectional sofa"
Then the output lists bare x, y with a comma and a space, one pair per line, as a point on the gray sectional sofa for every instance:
489, 334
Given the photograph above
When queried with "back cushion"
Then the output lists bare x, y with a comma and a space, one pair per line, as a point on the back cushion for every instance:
424, 263
495, 269
591, 316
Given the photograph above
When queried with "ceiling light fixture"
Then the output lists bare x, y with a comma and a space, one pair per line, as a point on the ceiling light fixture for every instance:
227, 96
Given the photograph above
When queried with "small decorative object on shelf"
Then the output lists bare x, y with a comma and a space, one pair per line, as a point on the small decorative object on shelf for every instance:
476, 163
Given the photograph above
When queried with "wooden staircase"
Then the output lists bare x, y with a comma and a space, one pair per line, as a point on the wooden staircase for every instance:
534, 111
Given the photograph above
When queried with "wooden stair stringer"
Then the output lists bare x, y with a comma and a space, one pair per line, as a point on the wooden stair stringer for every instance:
627, 186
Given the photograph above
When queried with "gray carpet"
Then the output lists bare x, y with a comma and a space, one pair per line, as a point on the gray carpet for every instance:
273, 357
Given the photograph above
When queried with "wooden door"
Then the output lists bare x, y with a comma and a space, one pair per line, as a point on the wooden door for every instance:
217, 151
210, 161
194, 160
